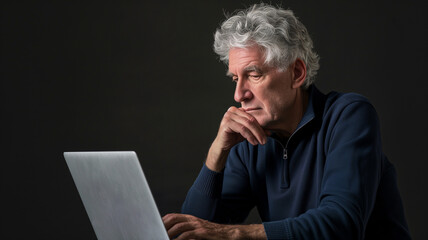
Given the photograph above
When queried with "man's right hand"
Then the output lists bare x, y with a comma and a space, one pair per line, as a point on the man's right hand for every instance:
236, 126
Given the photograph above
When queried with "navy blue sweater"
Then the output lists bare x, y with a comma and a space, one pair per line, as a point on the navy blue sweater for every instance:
329, 180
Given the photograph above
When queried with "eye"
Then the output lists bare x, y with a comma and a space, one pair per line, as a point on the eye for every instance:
255, 76
234, 79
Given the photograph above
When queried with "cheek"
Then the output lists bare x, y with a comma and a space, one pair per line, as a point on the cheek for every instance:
274, 98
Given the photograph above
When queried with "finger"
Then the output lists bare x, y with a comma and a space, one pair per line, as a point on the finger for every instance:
187, 235
182, 224
205, 230
168, 220
250, 122
197, 232
180, 229
171, 219
243, 131
253, 125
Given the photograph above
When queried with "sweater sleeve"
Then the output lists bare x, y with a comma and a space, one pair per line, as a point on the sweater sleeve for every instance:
209, 199
351, 176
204, 195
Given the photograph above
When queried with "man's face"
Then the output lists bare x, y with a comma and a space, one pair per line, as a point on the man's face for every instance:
263, 91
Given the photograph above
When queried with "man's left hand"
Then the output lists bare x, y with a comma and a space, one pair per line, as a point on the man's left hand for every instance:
184, 226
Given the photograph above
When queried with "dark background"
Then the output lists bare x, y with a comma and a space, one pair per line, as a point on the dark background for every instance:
142, 76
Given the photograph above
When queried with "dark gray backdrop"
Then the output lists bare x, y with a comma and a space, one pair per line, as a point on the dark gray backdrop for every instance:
142, 76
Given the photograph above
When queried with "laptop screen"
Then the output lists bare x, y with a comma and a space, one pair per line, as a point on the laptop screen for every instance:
116, 195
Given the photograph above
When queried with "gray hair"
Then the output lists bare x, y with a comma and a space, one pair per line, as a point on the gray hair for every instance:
278, 32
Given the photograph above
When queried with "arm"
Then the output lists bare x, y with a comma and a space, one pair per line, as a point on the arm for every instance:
203, 199
236, 126
208, 200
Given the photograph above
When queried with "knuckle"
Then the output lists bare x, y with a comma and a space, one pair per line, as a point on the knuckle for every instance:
226, 117
252, 119
190, 235
185, 235
201, 232
181, 225
243, 129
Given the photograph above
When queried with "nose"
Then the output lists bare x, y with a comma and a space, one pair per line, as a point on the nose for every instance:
242, 92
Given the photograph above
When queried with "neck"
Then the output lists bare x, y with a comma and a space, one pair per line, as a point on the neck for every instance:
298, 110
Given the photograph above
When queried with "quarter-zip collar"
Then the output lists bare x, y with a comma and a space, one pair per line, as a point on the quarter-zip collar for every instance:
316, 99
315, 102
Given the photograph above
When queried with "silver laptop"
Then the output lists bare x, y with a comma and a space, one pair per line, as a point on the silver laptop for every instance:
116, 195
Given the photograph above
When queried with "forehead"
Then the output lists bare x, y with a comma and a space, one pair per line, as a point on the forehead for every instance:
242, 58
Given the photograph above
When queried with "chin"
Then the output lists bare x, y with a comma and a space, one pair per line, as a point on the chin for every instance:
263, 122
266, 122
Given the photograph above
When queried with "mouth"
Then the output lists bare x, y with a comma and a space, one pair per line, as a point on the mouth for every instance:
251, 109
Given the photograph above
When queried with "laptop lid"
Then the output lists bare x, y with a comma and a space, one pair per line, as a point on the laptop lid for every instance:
116, 195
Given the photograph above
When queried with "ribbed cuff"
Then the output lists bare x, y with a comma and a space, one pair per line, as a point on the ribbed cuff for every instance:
209, 182
277, 230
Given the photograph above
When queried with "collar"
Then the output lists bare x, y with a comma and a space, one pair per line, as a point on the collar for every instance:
314, 110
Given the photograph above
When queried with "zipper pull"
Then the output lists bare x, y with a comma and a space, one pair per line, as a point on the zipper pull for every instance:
285, 174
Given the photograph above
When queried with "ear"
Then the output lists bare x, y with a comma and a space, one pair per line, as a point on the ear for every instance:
298, 73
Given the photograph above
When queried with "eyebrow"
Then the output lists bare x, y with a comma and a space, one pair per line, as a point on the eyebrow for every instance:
251, 68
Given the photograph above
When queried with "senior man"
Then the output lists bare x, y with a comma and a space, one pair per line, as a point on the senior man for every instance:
311, 163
